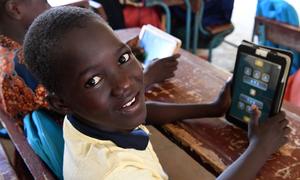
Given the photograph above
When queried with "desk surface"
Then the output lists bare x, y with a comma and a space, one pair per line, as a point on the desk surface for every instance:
214, 140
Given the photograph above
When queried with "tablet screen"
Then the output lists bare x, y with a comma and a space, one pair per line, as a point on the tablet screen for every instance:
156, 46
255, 82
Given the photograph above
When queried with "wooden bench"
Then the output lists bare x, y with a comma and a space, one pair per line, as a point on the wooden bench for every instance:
28, 164
277, 32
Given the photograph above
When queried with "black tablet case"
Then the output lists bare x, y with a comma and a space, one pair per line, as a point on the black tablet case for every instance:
248, 50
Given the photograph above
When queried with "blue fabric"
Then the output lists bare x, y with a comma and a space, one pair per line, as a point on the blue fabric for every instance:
4, 133
25, 74
215, 12
281, 11
136, 139
45, 137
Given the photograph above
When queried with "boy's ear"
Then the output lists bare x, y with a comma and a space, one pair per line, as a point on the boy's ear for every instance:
12, 8
57, 104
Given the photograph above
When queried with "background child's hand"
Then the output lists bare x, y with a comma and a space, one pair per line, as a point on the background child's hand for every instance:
136, 49
223, 101
270, 135
160, 70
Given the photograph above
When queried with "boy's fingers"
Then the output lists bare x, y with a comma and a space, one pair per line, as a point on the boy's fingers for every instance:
170, 65
279, 117
283, 123
255, 115
287, 130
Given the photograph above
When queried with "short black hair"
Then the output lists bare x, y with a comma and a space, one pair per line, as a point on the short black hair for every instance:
42, 43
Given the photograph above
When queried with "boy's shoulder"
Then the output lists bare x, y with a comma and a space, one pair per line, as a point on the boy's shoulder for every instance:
75, 131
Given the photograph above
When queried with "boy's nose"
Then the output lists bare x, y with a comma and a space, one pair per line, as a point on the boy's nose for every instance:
121, 85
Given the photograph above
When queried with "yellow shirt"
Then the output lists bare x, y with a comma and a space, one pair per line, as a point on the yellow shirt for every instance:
89, 158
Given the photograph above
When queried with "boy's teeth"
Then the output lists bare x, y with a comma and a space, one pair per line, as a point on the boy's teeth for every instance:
129, 103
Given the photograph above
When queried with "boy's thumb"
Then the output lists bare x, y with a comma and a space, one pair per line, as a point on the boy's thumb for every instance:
254, 116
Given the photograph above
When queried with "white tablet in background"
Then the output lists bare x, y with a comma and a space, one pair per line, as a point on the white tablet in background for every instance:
157, 43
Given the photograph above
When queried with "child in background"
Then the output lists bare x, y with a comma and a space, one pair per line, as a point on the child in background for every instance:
97, 82
16, 98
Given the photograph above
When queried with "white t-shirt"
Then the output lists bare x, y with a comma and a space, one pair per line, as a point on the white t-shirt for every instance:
90, 158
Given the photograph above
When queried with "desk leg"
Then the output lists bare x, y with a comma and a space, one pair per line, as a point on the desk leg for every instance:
198, 26
196, 33
150, 3
188, 24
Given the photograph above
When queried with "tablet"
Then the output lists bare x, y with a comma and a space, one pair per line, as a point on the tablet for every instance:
157, 43
259, 78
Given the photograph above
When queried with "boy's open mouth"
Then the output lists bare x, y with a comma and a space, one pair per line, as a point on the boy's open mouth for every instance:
131, 105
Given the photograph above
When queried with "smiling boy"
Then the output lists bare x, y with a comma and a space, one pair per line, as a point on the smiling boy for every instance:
95, 79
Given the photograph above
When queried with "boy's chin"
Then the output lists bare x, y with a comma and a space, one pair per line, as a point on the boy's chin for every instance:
140, 120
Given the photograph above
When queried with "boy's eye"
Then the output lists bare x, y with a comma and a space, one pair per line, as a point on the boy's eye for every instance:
124, 58
94, 81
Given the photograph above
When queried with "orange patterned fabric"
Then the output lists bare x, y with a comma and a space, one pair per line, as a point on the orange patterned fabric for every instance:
16, 98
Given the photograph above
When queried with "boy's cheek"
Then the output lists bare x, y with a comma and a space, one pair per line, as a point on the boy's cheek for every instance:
139, 69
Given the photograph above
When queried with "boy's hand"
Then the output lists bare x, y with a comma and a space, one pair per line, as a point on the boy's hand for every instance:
223, 101
160, 70
270, 135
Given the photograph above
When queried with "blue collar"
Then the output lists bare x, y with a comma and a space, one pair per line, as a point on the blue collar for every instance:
136, 139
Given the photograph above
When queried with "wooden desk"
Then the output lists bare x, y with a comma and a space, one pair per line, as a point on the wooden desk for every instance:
213, 140
277, 32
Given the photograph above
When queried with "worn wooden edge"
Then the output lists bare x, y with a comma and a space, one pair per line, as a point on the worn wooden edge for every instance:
274, 22
34, 164
189, 141
220, 28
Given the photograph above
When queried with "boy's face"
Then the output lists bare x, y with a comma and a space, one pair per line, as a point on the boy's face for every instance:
102, 82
